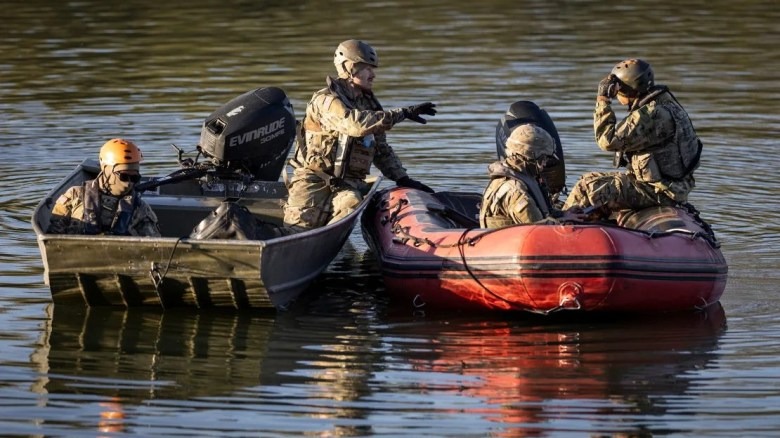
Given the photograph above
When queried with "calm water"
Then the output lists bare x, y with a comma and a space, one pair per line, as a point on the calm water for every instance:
344, 362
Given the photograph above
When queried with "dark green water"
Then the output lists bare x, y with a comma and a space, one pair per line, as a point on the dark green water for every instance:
344, 362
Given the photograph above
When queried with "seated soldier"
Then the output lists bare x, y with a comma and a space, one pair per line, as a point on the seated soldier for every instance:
656, 141
514, 194
108, 204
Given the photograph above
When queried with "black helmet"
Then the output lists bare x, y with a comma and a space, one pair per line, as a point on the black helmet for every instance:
636, 76
520, 113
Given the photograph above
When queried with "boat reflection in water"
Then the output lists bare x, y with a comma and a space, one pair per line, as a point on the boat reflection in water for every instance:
119, 367
580, 376
169, 372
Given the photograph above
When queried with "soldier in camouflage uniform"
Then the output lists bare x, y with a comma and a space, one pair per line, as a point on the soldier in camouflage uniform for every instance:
107, 204
343, 132
656, 142
515, 194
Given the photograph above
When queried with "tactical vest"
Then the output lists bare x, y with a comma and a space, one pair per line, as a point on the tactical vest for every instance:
679, 157
345, 157
93, 207
499, 170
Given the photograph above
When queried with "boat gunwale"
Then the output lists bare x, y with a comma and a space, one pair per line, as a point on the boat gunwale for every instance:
329, 239
90, 163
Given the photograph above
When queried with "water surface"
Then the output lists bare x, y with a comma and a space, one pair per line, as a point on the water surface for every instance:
345, 361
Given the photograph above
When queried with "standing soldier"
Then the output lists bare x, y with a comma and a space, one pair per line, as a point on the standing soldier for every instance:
656, 142
343, 132
107, 204
514, 194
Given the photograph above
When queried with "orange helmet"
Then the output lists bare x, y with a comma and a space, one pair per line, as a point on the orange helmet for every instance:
119, 151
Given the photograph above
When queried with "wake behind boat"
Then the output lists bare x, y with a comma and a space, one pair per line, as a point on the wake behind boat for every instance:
246, 142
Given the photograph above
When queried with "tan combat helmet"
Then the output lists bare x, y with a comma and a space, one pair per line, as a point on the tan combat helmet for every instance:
530, 142
351, 52
636, 77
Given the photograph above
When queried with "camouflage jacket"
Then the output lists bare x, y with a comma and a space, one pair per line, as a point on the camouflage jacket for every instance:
68, 214
344, 133
511, 198
658, 139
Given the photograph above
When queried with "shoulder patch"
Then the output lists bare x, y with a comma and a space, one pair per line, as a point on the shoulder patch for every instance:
498, 197
521, 205
63, 199
327, 102
503, 190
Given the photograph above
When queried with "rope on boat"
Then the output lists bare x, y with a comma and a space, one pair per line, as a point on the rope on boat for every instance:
710, 234
461, 250
703, 306
397, 229
158, 278
461, 244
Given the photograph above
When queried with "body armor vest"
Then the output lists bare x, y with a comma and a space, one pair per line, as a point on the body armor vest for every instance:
345, 157
500, 170
93, 207
679, 157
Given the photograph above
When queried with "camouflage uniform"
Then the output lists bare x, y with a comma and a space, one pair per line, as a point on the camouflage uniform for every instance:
661, 152
344, 134
68, 214
513, 196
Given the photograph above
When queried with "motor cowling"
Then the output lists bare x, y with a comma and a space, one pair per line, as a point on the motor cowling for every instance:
253, 133
523, 112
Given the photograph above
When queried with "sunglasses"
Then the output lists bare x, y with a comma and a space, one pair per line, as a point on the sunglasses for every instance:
128, 177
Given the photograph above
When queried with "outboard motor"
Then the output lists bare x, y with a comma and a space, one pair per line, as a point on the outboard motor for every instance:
523, 112
252, 133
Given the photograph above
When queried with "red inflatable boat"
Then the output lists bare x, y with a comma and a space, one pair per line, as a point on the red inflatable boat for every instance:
433, 255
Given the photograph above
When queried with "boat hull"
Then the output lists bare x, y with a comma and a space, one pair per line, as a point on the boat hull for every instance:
176, 271
431, 262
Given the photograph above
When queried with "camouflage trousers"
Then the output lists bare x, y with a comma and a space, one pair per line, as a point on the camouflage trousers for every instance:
615, 191
312, 203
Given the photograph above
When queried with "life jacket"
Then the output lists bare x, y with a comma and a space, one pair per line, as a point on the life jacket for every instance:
93, 207
537, 193
680, 155
344, 156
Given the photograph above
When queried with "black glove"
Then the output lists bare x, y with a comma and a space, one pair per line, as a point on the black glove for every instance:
413, 184
608, 87
413, 112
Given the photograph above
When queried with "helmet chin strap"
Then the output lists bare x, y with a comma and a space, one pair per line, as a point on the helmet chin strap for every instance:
103, 179
351, 77
356, 87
